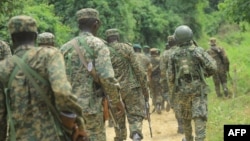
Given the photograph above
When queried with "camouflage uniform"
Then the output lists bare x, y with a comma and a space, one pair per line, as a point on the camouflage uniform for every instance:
31, 116
186, 69
155, 79
5, 52
222, 61
133, 83
96, 53
146, 50
46, 39
172, 99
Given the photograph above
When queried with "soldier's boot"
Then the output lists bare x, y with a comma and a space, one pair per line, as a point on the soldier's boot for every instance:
225, 89
180, 129
199, 139
217, 90
111, 123
168, 107
163, 105
187, 139
158, 108
136, 137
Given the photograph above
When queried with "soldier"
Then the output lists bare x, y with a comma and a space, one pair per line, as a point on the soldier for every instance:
133, 83
155, 80
5, 52
187, 67
222, 61
89, 69
146, 50
144, 61
46, 39
31, 115
173, 100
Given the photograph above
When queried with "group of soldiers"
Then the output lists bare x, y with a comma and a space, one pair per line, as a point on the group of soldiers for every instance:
57, 94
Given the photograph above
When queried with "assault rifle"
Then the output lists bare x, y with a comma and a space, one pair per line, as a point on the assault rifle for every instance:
112, 115
147, 108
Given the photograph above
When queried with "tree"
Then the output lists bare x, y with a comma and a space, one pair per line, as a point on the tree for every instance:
236, 10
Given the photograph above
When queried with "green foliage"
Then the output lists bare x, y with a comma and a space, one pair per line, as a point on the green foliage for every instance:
222, 111
236, 10
48, 22
7, 10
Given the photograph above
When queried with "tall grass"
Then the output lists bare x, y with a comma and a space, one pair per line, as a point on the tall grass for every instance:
234, 110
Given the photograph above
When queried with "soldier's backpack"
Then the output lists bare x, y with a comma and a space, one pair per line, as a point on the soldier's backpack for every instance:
188, 73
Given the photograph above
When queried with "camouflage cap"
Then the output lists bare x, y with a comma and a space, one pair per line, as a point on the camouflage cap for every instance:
22, 23
45, 38
154, 51
170, 38
137, 46
112, 32
87, 13
212, 41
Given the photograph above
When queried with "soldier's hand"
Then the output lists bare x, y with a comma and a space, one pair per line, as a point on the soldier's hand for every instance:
120, 108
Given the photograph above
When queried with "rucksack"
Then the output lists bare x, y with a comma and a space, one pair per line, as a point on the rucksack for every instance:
185, 63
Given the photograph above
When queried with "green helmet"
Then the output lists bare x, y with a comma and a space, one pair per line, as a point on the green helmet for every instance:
183, 34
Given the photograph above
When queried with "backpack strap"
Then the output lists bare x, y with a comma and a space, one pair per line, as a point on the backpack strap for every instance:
31, 74
89, 65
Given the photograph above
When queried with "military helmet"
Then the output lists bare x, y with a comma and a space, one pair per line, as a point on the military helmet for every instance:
183, 34
45, 38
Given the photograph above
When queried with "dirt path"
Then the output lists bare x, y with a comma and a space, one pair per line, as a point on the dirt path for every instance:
164, 128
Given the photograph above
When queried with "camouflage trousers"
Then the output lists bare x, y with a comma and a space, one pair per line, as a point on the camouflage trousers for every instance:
220, 80
134, 105
95, 127
194, 107
156, 93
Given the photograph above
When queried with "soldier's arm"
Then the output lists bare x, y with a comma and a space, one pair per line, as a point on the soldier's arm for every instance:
65, 101
105, 72
163, 79
139, 72
207, 62
225, 59
7, 51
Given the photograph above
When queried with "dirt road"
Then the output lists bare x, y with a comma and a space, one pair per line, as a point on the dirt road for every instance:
164, 127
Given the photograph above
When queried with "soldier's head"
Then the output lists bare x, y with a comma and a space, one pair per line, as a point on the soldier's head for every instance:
154, 52
212, 41
23, 30
137, 47
146, 49
112, 35
46, 38
183, 35
88, 20
171, 41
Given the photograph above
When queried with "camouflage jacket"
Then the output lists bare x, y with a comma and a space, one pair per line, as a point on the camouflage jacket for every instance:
4, 50
95, 52
205, 64
127, 68
145, 62
220, 57
30, 114
156, 72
